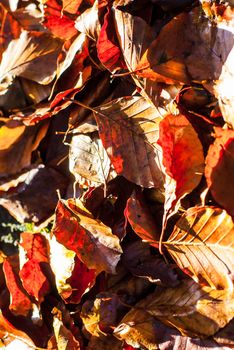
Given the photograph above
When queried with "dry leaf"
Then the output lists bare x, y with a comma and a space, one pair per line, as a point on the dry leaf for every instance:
193, 310
33, 266
88, 160
219, 168
20, 303
202, 244
93, 242
32, 56
129, 130
183, 159
72, 277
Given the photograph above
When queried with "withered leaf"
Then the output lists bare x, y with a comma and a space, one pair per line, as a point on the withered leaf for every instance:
11, 335
94, 243
202, 244
33, 56
219, 168
20, 303
59, 24
23, 202
141, 220
108, 48
129, 130
17, 144
32, 272
72, 277
183, 158
88, 159
193, 310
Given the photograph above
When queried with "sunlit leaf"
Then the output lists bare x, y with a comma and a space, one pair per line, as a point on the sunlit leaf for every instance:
129, 130
93, 242
202, 244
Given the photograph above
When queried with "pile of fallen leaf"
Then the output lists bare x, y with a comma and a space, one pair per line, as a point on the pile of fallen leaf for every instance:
117, 154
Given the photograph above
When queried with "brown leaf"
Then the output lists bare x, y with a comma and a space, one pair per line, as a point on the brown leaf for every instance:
183, 158
138, 259
32, 56
27, 204
128, 128
219, 168
193, 310
17, 144
93, 242
20, 302
141, 220
72, 277
141, 329
32, 272
88, 22
88, 160
202, 244
180, 52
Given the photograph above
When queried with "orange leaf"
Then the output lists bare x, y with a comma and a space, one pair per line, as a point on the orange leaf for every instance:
32, 273
219, 169
93, 242
20, 302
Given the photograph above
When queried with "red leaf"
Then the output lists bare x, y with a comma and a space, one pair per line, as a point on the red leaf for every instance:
141, 220
57, 22
219, 169
32, 275
20, 302
93, 242
108, 49
183, 158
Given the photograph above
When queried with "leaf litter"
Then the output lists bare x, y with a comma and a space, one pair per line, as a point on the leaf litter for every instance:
116, 159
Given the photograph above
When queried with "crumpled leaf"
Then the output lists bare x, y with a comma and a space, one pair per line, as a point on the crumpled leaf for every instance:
193, 310
32, 272
17, 144
32, 56
183, 159
141, 220
202, 244
219, 168
72, 277
129, 128
90, 239
88, 160
20, 303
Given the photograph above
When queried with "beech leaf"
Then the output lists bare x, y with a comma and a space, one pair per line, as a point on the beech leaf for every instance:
32, 272
32, 56
72, 277
193, 310
219, 168
20, 303
202, 244
129, 130
90, 239
183, 158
